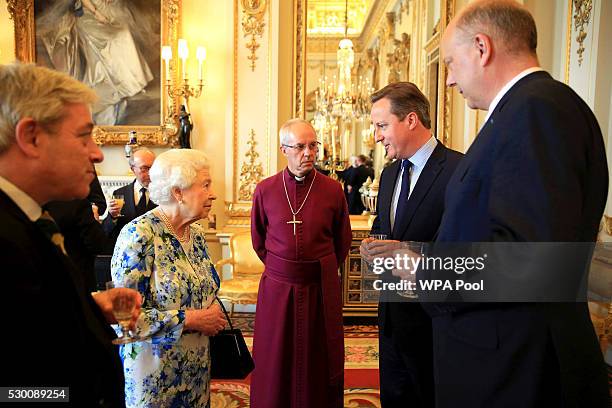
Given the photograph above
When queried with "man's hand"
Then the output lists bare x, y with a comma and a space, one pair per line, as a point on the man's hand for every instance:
96, 212
371, 248
104, 300
409, 262
114, 209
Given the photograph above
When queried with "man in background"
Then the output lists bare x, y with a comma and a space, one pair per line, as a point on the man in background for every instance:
135, 196
84, 237
409, 208
354, 178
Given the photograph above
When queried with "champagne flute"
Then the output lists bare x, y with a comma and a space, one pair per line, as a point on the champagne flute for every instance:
120, 201
123, 307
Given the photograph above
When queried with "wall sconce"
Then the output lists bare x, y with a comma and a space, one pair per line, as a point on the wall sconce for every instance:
182, 89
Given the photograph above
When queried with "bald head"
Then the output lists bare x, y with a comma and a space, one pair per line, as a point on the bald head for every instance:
506, 22
140, 162
486, 45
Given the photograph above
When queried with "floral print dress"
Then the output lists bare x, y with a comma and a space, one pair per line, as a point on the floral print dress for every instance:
172, 367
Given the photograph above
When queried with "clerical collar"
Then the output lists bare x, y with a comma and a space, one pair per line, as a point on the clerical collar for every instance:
297, 178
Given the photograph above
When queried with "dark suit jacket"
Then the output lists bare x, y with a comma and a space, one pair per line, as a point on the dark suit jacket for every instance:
84, 237
113, 227
421, 222
355, 177
536, 172
56, 336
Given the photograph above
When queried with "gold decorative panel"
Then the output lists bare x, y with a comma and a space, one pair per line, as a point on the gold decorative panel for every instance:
582, 17
251, 171
253, 25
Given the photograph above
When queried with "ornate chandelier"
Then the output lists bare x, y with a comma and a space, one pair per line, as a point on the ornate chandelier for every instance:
338, 103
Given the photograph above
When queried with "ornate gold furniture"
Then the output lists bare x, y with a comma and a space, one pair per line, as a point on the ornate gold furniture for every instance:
358, 295
246, 271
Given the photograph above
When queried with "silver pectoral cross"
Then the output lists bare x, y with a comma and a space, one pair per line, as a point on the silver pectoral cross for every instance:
294, 222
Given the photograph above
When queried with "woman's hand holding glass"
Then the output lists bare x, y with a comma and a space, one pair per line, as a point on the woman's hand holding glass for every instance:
208, 321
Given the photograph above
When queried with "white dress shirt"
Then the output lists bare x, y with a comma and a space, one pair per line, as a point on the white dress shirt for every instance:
507, 87
418, 160
26, 203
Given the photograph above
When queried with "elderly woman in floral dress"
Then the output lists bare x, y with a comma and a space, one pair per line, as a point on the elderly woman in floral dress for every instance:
165, 254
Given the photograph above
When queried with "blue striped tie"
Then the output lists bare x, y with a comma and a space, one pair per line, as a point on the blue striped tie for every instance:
402, 202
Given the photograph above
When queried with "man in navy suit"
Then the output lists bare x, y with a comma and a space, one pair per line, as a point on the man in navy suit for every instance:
409, 208
536, 172
57, 334
135, 195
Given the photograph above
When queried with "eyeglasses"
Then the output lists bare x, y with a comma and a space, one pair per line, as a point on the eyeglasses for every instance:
143, 168
300, 147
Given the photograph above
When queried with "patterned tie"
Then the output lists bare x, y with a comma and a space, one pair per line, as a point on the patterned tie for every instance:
47, 225
402, 202
141, 207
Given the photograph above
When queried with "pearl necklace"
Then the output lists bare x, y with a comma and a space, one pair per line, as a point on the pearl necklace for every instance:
186, 234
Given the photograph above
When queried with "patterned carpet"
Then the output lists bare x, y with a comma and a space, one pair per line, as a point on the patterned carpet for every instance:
360, 369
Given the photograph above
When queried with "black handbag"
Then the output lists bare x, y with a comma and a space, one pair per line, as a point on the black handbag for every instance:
229, 355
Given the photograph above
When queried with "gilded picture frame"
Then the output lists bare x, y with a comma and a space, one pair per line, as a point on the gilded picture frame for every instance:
165, 133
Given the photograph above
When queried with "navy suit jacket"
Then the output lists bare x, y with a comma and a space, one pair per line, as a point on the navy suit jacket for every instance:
113, 227
536, 172
56, 335
424, 212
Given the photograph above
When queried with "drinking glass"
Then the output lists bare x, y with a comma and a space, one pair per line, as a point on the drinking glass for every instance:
366, 266
123, 307
379, 237
120, 200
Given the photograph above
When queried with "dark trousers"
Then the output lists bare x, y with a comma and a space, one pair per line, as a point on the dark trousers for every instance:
406, 368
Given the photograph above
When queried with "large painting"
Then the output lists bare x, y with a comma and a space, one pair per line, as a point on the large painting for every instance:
114, 47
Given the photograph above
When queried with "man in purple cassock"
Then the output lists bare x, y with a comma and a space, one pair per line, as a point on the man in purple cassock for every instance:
301, 231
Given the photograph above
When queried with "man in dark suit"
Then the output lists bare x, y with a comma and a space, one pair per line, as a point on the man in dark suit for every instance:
354, 178
59, 336
135, 195
536, 172
409, 208
84, 237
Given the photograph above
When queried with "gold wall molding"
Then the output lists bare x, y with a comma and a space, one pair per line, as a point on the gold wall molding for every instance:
582, 18
445, 93
390, 25
398, 59
22, 13
253, 25
373, 21
299, 57
251, 171
607, 222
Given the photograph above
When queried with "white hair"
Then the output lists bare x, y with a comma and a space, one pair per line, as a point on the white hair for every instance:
285, 130
175, 168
